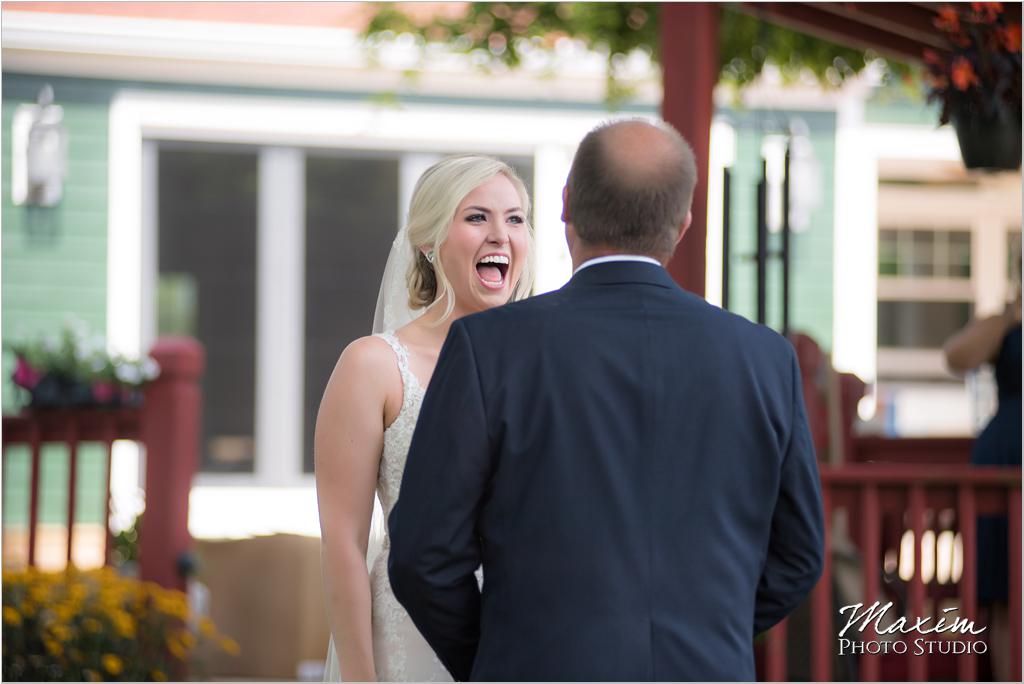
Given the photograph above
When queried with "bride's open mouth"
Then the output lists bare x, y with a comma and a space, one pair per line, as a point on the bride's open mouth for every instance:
492, 270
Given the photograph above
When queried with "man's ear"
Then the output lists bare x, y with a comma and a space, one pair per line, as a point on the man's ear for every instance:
685, 227
570, 236
565, 204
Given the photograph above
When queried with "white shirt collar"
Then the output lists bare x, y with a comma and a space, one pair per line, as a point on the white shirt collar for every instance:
615, 257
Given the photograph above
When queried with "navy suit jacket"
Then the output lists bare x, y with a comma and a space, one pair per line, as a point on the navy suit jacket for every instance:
633, 468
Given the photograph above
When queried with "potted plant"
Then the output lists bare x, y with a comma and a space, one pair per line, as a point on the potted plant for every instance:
978, 82
73, 369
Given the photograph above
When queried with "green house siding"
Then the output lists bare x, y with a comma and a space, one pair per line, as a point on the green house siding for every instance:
895, 104
811, 250
55, 259
54, 264
90, 504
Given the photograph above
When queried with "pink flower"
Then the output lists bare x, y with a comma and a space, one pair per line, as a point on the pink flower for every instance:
103, 391
25, 375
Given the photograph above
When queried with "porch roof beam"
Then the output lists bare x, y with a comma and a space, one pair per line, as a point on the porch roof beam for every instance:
843, 28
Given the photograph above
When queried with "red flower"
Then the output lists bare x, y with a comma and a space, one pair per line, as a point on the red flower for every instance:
937, 81
1011, 37
948, 20
963, 74
987, 11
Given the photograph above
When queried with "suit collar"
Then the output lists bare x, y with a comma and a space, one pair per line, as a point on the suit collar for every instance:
620, 272
614, 257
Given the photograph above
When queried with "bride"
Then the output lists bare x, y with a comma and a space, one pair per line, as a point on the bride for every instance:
467, 247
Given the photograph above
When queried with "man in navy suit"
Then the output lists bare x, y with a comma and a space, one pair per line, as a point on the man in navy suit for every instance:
632, 466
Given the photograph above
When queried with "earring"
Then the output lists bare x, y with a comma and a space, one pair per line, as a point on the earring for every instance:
430, 256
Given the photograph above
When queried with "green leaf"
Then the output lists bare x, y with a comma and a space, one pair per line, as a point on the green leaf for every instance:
502, 31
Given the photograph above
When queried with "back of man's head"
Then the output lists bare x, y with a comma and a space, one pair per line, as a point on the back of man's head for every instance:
630, 188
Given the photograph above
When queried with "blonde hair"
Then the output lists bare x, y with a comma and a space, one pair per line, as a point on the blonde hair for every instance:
435, 199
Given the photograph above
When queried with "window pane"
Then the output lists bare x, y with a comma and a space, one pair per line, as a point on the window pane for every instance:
922, 253
960, 255
351, 221
888, 253
904, 252
207, 286
1013, 256
919, 324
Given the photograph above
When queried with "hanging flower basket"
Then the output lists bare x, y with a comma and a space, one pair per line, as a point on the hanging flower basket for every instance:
987, 142
977, 80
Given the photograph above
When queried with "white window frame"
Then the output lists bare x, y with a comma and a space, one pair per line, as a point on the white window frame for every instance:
859, 149
282, 127
977, 208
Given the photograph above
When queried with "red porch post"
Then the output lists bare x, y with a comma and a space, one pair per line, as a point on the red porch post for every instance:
689, 62
170, 431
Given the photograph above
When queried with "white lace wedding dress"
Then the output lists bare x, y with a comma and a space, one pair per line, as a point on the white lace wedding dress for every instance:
400, 652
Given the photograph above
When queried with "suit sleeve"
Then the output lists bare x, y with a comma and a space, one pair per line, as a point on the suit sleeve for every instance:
434, 544
796, 548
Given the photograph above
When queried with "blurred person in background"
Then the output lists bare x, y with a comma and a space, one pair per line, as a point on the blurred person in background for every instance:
467, 247
995, 340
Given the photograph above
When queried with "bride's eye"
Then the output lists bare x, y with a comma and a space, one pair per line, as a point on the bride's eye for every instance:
516, 219
476, 218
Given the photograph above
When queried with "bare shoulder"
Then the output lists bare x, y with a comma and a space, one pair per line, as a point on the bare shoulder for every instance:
369, 353
367, 361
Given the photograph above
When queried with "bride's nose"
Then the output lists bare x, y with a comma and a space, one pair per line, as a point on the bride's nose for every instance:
498, 234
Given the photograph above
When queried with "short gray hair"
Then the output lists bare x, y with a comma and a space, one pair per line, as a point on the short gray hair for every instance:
640, 215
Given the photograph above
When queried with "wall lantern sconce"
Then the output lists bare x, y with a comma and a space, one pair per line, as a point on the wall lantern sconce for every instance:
39, 144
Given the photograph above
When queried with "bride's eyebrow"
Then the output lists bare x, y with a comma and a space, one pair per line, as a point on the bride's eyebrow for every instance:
488, 211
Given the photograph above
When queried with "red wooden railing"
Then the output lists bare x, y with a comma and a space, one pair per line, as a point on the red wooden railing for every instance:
917, 450
887, 487
874, 493
167, 424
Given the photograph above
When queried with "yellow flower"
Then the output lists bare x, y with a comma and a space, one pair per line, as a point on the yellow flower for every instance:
53, 646
158, 675
79, 593
92, 625
123, 623
12, 616
173, 603
176, 648
60, 632
188, 639
64, 612
93, 676
230, 646
112, 664
206, 627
